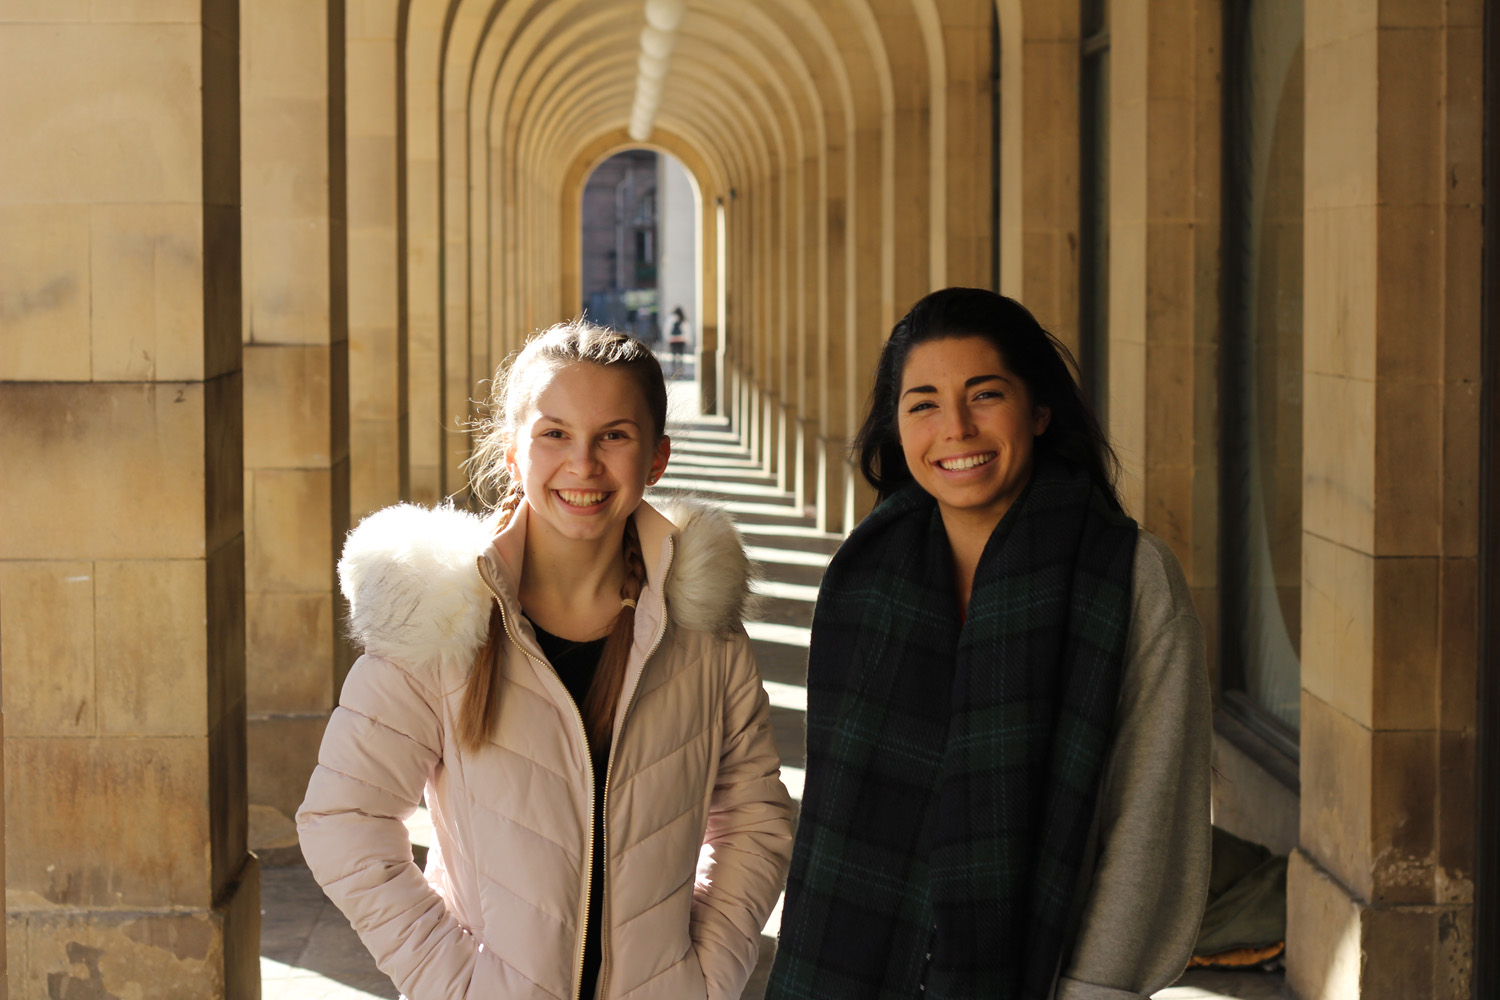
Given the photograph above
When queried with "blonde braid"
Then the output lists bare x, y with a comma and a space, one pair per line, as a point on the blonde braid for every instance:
481, 695
635, 564
609, 679
509, 503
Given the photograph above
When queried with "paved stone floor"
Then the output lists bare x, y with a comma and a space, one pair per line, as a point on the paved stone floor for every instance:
309, 952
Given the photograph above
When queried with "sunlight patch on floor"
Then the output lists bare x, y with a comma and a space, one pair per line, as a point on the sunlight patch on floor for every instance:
794, 778
786, 635
792, 531
784, 591
784, 557
279, 981
792, 696
749, 508
717, 485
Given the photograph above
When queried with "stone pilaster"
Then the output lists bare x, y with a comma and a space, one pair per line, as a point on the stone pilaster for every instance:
121, 538
1039, 207
1163, 274
4, 977
1380, 889
379, 462
296, 356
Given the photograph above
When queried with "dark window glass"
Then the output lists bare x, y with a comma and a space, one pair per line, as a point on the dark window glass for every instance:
1261, 405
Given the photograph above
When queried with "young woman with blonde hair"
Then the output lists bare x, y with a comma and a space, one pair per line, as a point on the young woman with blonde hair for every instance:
568, 683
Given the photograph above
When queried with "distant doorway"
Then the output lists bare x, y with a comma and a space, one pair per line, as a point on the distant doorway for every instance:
640, 255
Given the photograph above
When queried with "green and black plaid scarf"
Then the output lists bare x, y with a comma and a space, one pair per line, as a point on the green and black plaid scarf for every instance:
953, 767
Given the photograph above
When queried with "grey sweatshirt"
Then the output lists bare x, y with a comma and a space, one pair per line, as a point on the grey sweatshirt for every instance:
1145, 877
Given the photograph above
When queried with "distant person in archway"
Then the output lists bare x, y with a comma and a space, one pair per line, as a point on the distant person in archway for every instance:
677, 339
1008, 721
568, 683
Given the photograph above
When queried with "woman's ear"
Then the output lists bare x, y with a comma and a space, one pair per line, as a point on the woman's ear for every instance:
511, 465
659, 460
1041, 417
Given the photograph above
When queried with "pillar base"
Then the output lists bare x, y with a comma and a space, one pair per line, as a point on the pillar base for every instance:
189, 954
1341, 946
708, 382
285, 751
805, 487
832, 487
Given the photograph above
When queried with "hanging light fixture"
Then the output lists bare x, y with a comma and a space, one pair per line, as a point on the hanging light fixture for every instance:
657, 40
665, 15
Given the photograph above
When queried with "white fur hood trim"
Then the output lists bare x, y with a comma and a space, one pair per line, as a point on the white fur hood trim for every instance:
415, 593
408, 575
709, 586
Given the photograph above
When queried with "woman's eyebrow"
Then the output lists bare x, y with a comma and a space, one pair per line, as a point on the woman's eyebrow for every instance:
560, 421
976, 380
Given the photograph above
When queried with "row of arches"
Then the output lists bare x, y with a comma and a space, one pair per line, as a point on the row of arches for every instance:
842, 153
271, 250
258, 258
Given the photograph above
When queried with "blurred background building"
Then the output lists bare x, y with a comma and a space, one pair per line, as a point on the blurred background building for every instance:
639, 248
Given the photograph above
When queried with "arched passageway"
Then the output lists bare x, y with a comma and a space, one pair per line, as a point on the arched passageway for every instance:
639, 244
257, 258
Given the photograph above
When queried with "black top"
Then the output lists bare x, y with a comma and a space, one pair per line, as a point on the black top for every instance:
575, 664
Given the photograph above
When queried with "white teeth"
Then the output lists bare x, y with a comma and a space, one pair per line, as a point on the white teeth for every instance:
959, 464
578, 498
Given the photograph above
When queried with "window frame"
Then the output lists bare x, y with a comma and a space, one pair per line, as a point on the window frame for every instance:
1249, 726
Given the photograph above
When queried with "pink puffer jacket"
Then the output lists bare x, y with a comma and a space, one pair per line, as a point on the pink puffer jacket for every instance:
698, 826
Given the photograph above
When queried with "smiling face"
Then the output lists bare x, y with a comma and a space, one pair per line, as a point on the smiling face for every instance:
584, 451
967, 426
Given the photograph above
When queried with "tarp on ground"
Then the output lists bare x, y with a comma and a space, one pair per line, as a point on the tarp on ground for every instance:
1246, 900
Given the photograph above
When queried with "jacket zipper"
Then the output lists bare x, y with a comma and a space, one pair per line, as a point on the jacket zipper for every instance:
609, 770
588, 866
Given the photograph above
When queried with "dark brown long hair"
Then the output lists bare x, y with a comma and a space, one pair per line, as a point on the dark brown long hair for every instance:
572, 343
1038, 358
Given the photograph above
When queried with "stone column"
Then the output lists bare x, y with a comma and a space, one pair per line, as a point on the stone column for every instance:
121, 542
379, 463
1164, 206
706, 335
812, 276
1039, 209
834, 336
1380, 890
296, 358
417, 122
962, 255
4, 977
873, 307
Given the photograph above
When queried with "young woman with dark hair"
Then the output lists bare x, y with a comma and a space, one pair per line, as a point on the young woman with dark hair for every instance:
1007, 790
568, 683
